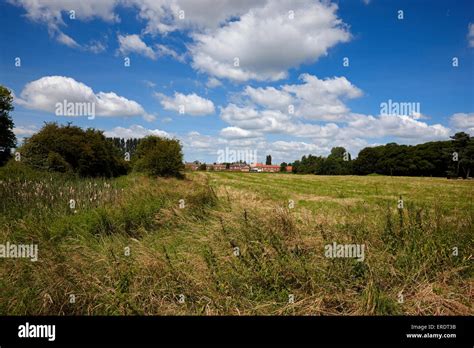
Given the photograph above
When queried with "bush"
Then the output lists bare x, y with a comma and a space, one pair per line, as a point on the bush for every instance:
160, 157
7, 137
74, 150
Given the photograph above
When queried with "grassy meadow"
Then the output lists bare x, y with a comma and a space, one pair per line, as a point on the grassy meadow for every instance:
138, 245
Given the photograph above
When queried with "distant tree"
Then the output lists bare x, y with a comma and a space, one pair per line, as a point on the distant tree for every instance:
268, 161
337, 163
72, 149
125, 145
283, 166
160, 157
308, 165
202, 166
7, 137
337, 152
428, 159
463, 144
366, 161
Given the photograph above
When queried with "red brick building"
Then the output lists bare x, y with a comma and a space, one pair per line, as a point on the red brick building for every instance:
216, 167
266, 168
239, 167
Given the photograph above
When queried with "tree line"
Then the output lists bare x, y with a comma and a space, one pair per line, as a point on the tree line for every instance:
452, 158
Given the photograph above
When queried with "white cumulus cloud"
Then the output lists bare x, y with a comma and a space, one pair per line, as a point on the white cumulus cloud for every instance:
135, 131
43, 94
190, 104
463, 122
134, 44
269, 40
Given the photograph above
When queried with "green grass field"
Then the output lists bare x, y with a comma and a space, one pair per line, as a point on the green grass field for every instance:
236, 244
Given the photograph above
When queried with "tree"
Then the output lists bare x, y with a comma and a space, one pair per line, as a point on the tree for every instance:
283, 166
72, 149
268, 161
463, 144
337, 163
160, 157
7, 137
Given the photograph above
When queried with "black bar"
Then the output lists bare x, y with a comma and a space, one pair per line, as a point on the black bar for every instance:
243, 330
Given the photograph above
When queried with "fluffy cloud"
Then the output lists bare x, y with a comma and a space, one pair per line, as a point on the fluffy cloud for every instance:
463, 122
135, 131
134, 44
269, 37
51, 14
238, 133
405, 128
160, 16
43, 94
314, 99
269, 97
268, 121
268, 41
190, 104
212, 82
266, 110
356, 126
163, 16
163, 51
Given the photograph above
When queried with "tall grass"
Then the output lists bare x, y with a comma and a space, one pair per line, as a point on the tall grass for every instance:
224, 244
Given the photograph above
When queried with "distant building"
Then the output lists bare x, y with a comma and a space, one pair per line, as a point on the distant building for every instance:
239, 167
191, 166
260, 167
216, 167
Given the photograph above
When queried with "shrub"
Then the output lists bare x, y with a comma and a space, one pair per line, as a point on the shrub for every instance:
159, 157
72, 149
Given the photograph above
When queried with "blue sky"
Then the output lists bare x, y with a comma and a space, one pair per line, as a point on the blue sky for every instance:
290, 94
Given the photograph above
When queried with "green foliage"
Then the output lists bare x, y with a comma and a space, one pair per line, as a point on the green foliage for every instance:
337, 163
463, 144
160, 157
7, 137
72, 149
429, 159
125, 145
268, 160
